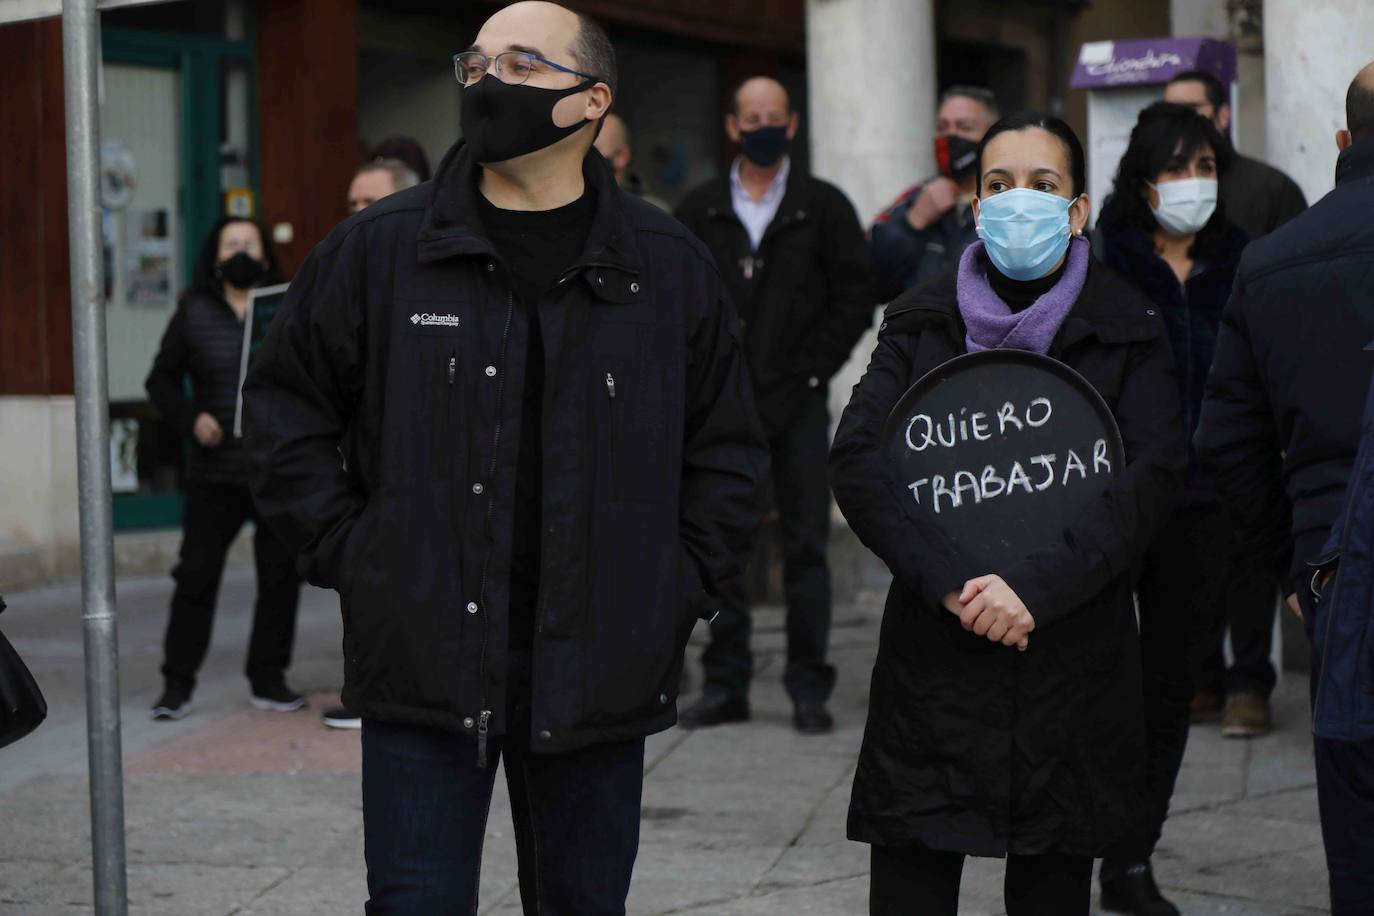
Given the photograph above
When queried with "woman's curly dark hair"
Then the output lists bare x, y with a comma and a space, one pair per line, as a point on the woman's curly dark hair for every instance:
203, 276
1163, 134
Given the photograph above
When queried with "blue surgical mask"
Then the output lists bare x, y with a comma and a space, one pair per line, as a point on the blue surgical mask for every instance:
1025, 231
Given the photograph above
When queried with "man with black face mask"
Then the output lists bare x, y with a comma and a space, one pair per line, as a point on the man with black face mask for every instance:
550, 454
794, 258
926, 229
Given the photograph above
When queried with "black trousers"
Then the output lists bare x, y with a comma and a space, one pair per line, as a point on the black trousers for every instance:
1247, 608
802, 495
1345, 797
1180, 585
925, 882
214, 514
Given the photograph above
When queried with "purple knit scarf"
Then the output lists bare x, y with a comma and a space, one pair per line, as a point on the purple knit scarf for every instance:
990, 321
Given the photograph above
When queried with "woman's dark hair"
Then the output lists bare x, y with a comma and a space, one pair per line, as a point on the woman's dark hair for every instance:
1025, 120
203, 276
1163, 133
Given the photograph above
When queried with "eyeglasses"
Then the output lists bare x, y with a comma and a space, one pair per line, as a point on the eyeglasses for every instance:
512, 67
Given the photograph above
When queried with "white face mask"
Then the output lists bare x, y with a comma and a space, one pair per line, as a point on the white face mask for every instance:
1185, 206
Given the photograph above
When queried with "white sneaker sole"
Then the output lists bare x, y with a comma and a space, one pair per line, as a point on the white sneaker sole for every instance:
351, 724
167, 713
277, 706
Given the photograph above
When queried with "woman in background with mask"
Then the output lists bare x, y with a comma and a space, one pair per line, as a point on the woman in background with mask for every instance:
1004, 709
1164, 230
203, 344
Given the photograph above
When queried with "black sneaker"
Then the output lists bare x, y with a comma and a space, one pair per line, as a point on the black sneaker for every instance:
1129, 887
341, 717
812, 718
277, 697
714, 709
174, 703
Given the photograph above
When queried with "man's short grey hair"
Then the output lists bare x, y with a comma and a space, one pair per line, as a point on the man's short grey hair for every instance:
594, 53
402, 175
978, 94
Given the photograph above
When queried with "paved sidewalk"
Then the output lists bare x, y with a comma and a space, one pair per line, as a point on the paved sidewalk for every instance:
235, 811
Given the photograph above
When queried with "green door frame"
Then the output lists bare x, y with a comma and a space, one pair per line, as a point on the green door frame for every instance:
199, 60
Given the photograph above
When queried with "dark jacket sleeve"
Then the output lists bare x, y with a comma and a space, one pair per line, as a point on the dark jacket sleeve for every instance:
1238, 444
166, 383
875, 505
725, 456
303, 386
849, 292
896, 248
1108, 540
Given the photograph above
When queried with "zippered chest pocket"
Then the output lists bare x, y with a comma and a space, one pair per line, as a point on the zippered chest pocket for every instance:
632, 439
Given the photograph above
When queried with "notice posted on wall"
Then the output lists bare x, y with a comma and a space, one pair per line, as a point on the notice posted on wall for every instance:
262, 308
148, 259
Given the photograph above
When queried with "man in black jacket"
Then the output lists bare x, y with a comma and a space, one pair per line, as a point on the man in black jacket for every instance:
797, 266
1280, 426
1258, 197
549, 450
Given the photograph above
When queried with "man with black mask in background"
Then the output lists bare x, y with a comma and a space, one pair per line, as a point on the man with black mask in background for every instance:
1258, 197
550, 456
927, 228
793, 256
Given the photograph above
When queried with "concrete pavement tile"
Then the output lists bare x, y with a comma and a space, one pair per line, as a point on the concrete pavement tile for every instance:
671, 878
1280, 761
1295, 805
1196, 842
19, 877
313, 891
802, 866
169, 889
829, 899
1294, 879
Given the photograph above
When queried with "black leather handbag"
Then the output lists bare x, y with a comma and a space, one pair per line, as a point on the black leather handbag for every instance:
22, 707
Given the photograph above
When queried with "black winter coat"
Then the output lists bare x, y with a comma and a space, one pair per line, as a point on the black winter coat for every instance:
1192, 313
203, 341
401, 338
972, 746
1281, 419
804, 298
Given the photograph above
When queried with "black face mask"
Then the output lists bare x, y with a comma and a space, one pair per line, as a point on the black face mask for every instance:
242, 271
501, 121
955, 156
763, 146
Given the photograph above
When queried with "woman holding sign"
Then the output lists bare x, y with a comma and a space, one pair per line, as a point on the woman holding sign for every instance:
203, 345
1005, 704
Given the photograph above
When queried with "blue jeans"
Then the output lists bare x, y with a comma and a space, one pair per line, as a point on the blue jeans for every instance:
425, 805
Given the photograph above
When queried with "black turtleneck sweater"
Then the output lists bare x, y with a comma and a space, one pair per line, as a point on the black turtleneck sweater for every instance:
537, 248
1020, 294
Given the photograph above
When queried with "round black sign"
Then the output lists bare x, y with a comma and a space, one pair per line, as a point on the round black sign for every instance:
1002, 449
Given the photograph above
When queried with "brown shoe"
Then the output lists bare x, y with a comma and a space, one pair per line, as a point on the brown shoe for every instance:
1247, 716
1206, 707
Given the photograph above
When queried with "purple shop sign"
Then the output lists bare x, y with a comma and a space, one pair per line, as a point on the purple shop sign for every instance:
1151, 61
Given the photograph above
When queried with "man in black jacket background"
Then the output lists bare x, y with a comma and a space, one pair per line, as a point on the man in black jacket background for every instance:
794, 258
550, 462
1258, 197
1280, 430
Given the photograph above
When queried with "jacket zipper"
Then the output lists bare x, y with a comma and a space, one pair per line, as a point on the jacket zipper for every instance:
485, 714
452, 368
610, 396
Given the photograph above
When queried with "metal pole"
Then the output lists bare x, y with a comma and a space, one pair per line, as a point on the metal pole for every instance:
80, 57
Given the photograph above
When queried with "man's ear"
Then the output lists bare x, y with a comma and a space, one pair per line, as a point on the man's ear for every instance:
732, 128
1344, 140
1224, 119
793, 124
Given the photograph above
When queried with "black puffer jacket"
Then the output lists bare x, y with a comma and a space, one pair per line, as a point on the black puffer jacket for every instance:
972, 746
203, 342
400, 337
806, 296
1281, 420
